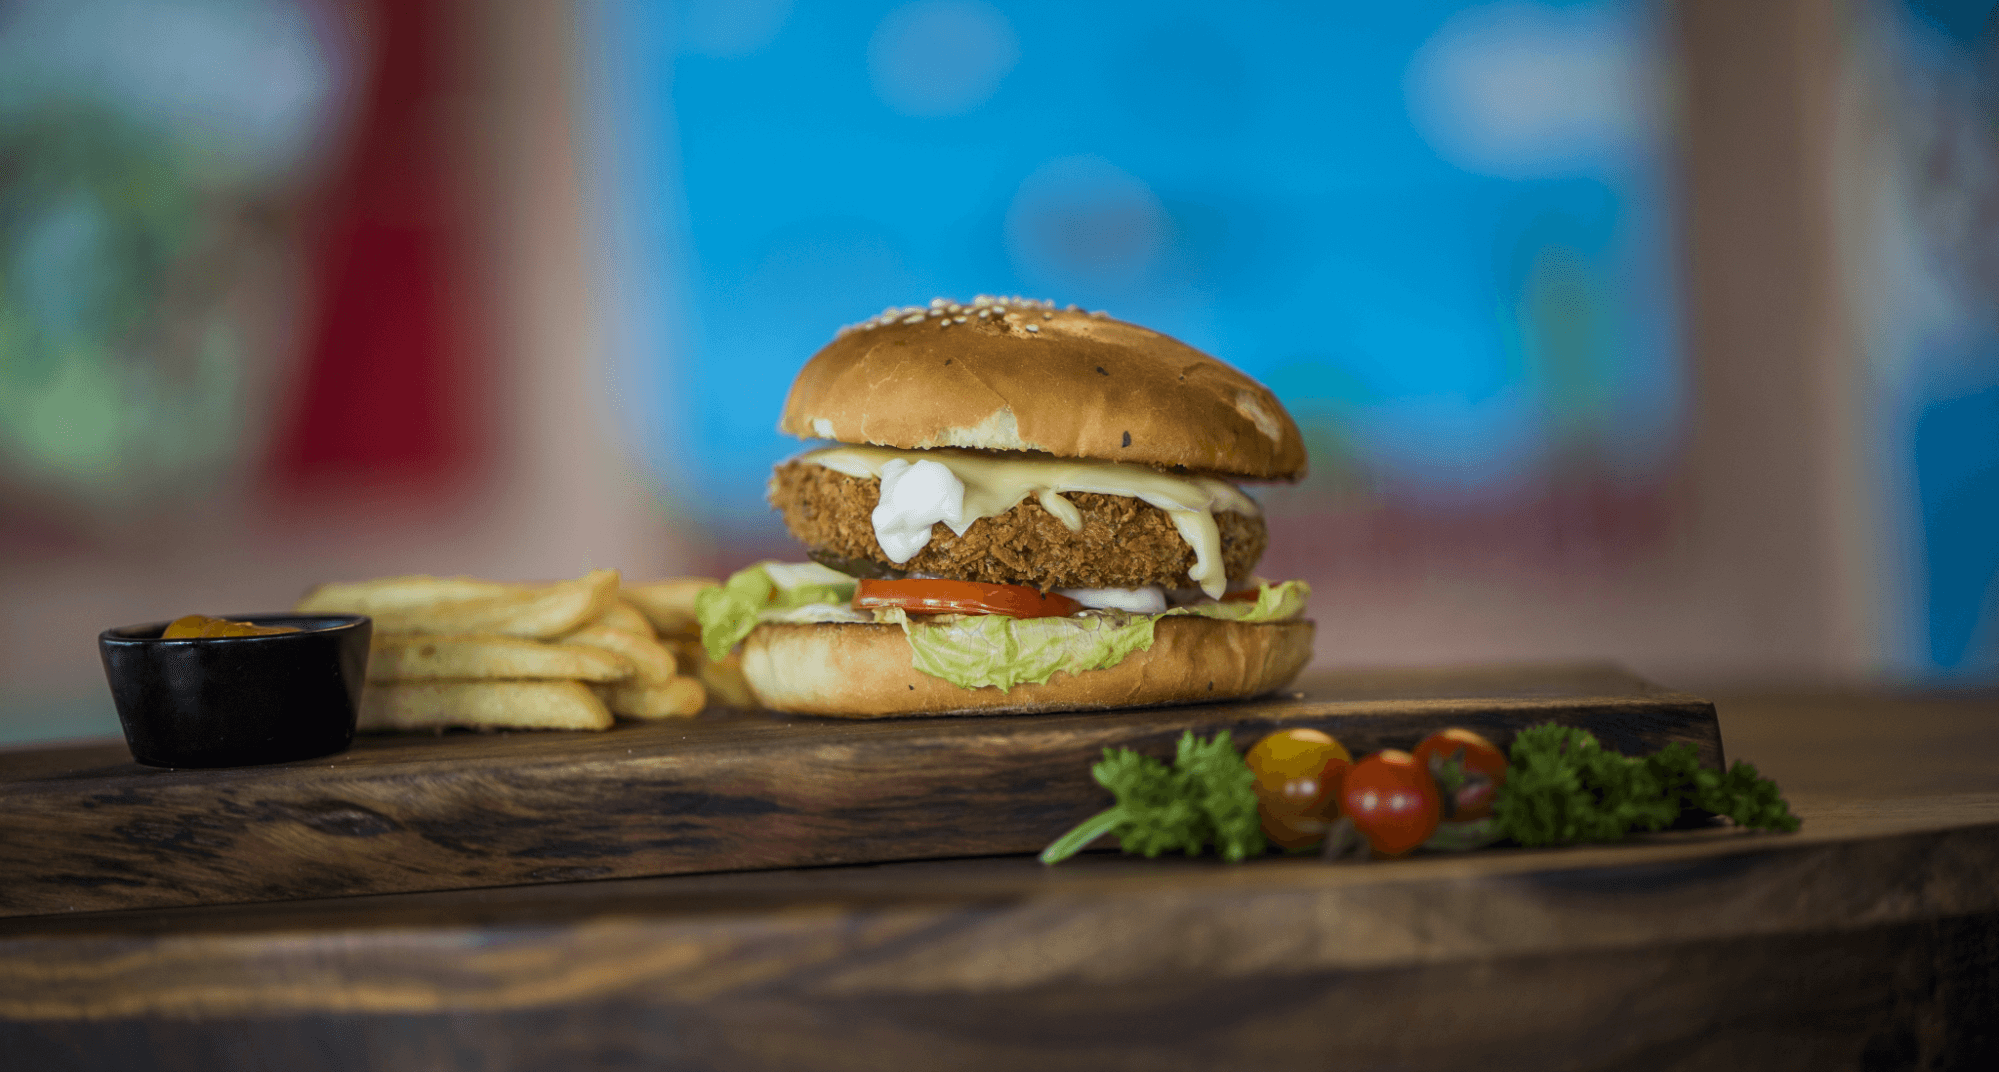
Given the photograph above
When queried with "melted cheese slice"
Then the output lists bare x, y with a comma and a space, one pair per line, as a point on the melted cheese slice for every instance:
995, 484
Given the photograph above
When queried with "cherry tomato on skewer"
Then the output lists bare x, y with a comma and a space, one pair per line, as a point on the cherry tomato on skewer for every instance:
1298, 773
1392, 801
1481, 766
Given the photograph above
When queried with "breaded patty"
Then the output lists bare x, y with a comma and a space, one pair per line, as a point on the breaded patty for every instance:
1125, 542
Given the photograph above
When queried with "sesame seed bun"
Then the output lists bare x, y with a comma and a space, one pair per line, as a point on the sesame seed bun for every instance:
1028, 376
853, 670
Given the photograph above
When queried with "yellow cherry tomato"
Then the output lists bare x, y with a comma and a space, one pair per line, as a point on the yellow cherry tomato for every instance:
1298, 774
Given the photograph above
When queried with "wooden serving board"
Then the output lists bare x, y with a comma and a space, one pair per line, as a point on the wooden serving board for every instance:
86, 829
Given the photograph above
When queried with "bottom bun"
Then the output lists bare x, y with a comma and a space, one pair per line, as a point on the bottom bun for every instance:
852, 670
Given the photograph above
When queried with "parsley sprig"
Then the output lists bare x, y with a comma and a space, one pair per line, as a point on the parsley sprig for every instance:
1563, 787
1208, 797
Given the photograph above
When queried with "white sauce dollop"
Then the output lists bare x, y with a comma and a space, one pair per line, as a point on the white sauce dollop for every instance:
914, 497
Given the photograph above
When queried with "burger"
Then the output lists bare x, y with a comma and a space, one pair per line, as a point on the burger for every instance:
1021, 508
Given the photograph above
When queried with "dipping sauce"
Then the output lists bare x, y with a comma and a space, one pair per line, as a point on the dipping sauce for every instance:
201, 625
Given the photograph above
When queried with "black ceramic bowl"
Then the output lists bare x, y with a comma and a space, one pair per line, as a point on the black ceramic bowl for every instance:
233, 701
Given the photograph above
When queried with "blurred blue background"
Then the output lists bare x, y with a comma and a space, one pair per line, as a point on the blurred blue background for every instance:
1438, 230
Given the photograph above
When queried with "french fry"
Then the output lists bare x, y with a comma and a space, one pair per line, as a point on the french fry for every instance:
540, 611
625, 618
398, 593
669, 605
519, 705
490, 657
724, 680
651, 662
687, 653
678, 698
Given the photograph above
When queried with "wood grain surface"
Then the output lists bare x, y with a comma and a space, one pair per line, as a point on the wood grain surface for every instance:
1870, 940
89, 830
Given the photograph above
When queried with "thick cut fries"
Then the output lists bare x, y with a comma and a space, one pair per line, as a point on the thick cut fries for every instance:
521, 705
540, 611
677, 698
724, 680
399, 593
625, 618
461, 651
651, 661
486, 657
669, 605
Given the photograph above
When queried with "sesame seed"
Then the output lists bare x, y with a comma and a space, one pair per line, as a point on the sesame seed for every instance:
1034, 327
1004, 308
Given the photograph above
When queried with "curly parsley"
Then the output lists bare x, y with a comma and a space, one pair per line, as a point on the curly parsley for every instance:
1208, 797
1563, 787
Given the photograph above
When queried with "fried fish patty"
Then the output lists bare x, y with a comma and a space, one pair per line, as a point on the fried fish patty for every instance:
1125, 542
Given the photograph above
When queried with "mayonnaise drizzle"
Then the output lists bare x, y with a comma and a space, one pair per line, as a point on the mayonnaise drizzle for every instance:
990, 485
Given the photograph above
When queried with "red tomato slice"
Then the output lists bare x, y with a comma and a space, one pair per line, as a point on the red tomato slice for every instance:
1392, 801
1242, 595
928, 596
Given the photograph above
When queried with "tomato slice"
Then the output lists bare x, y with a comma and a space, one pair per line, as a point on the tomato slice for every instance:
930, 596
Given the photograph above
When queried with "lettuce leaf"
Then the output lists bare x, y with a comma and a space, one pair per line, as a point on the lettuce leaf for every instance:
993, 649
729, 611
977, 650
1002, 652
1274, 603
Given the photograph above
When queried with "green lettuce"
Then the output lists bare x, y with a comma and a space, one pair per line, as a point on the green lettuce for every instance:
992, 649
729, 611
1274, 603
984, 649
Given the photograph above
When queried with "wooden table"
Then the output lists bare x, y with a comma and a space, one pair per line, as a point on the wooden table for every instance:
1870, 940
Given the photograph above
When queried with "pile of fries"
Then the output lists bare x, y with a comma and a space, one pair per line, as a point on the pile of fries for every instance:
463, 652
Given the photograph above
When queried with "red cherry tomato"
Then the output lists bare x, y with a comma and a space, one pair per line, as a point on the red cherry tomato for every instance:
1483, 767
931, 596
1392, 801
1298, 774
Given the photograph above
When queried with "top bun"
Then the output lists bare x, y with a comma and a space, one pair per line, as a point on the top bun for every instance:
1008, 374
